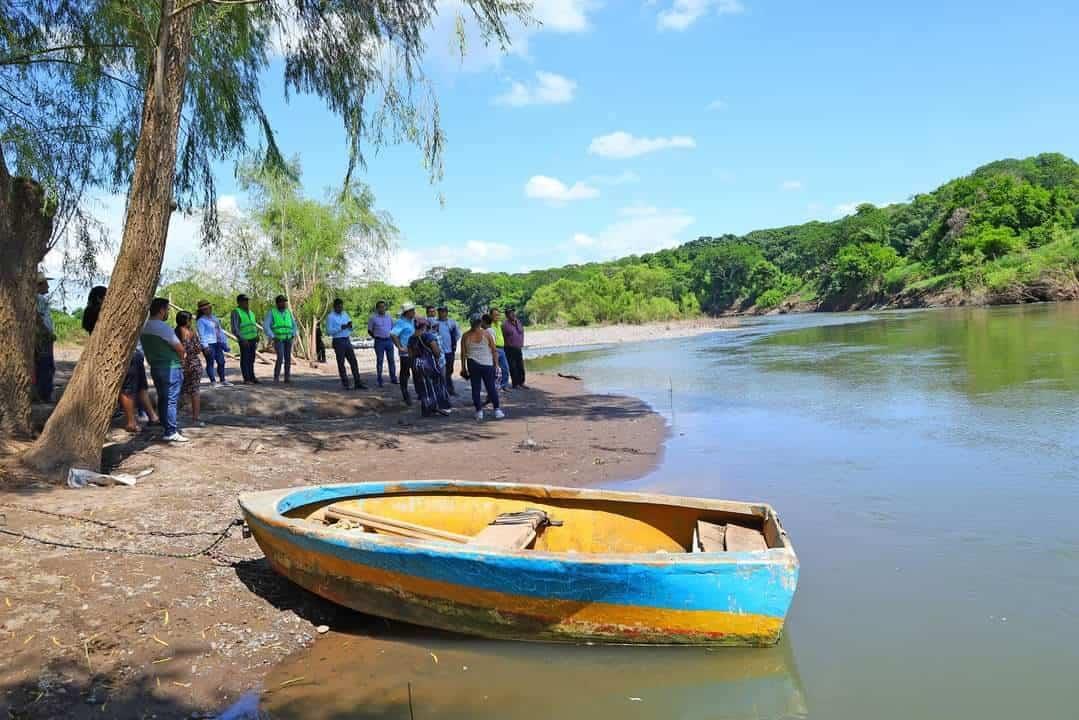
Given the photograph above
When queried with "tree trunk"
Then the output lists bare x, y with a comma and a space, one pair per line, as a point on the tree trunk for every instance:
74, 434
25, 229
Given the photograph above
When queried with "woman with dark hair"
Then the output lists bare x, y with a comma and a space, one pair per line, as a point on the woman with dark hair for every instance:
479, 363
192, 365
93, 308
429, 370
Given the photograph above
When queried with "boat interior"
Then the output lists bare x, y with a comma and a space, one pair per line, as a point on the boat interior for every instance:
550, 524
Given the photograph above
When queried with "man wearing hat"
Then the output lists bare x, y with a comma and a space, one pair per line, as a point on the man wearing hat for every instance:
210, 338
401, 333
448, 335
513, 333
45, 336
246, 329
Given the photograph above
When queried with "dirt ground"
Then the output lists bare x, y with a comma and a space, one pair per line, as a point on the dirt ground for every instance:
92, 634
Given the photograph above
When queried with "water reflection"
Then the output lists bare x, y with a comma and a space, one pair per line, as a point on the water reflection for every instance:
980, 350
364, 676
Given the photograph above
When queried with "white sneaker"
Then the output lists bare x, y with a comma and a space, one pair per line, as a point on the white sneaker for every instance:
499, 414
444, 412
142, 418
175, 438
479, 415
225, 383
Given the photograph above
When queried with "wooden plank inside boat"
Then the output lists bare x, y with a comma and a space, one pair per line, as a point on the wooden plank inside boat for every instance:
710, 537
743, 539
505, 537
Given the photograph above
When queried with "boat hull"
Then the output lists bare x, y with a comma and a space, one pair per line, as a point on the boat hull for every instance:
707, 599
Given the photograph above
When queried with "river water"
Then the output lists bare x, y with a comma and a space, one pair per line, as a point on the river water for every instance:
926, 466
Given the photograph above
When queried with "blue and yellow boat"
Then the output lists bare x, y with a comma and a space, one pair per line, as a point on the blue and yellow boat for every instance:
533, 562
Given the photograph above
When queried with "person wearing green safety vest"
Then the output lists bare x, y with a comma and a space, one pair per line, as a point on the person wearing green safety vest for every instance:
500, 344
280, 325
246, 329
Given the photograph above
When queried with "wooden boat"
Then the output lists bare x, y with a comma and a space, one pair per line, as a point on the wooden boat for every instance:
533, 562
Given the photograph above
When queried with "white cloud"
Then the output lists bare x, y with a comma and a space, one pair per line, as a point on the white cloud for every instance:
683, 13
550, 89
717, 105
566, 16
623, 145
407, 265
638, 230
553, 190
626, 177
791, 185
455, 17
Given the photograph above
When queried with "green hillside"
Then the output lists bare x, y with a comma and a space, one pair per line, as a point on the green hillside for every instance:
1008, 232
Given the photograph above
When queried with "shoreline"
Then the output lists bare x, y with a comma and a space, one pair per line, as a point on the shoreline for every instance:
572, 337
98, 635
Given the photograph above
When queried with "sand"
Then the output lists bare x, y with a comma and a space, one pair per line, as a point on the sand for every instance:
609, 334
88, 634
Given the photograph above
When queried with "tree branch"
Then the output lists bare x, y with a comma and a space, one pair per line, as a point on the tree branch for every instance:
63, 61
196, 3
19, 59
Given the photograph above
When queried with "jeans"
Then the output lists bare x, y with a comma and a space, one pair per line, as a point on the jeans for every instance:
247, 358
406, 370
215, 352
449, 374
342, 348
167, 382
516, 358
483, 375
384, 348
504, 364
283, 348
44, 372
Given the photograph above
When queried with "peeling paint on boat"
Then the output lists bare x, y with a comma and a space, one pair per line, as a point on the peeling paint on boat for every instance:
729, 598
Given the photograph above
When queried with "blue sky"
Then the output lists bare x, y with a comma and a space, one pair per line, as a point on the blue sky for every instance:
622, 126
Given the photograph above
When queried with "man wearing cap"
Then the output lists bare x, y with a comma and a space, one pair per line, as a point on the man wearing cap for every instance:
280, 326
246, 329
339, 326
448, 335
400, 334
210, 338
44, 364
378, 329
514, 335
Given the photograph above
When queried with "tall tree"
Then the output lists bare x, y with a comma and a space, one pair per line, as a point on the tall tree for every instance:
197, 64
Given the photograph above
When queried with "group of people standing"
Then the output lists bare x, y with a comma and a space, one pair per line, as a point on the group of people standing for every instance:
427, 349
423, 348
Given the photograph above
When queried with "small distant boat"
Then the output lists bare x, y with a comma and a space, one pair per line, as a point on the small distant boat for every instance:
533, 562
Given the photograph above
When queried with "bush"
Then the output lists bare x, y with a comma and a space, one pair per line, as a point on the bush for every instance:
67, 328
902, 275
770, 299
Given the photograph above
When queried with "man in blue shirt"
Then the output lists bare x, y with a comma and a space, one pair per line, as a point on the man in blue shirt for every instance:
378, 328
401, 333
448, 334
339, 327
210, 337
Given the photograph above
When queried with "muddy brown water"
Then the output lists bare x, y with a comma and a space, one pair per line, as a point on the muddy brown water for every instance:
926, 465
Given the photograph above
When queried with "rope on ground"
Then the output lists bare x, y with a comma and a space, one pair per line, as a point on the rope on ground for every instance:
108, 525
219, 537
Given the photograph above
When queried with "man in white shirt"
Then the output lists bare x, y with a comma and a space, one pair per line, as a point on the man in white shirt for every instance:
339, 327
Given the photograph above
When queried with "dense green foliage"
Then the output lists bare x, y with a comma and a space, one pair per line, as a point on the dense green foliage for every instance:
1007, 232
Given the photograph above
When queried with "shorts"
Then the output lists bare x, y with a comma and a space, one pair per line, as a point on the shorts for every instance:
135, 379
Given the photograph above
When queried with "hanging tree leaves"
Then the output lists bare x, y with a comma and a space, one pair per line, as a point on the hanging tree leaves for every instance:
172, 86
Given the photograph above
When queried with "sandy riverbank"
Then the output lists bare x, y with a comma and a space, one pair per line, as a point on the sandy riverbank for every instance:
89, 634
608, 334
